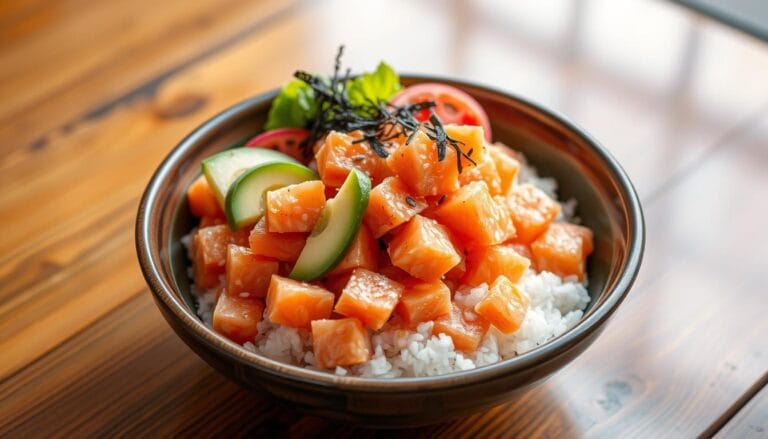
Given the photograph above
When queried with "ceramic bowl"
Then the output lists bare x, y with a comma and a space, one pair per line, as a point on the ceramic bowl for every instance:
584, 169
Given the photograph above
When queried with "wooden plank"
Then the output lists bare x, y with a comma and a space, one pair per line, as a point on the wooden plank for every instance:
751, 421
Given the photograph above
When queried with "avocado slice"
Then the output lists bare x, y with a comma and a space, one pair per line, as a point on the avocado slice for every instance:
245, 200
335, 230
223, 168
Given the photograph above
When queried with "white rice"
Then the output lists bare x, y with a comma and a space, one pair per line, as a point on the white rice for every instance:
556, 305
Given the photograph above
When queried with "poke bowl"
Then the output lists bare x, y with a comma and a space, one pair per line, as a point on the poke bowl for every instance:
404, 370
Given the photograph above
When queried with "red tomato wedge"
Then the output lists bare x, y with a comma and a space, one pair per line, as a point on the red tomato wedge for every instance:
286, 140
453, 105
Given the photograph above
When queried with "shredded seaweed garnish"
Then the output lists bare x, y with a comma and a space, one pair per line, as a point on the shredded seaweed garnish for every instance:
379, 122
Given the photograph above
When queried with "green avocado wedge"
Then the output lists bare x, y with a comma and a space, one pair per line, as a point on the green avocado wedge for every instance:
223, 168
246, 197
335, 230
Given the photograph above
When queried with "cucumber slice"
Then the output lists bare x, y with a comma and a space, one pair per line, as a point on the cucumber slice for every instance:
223, 168
245, 201
335, 229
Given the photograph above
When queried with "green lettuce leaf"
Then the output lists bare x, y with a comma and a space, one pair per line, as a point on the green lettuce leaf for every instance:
375, 87
294, 107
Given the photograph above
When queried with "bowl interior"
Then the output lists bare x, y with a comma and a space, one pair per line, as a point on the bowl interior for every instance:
606, 201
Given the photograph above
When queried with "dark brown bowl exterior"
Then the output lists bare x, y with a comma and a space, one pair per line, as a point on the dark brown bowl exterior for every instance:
558, 148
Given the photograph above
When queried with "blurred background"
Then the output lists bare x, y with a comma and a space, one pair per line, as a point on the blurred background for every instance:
95, 94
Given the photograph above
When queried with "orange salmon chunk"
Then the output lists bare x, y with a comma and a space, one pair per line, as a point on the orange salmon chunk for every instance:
285, 247
296, 207
389, 205
472, 140
507, 167
423, 301
504, 306
342, 342
465, 328
236, 318
339, 154
532, 211
472, 214
485, 264
416, 164
248, 275
370, 297
486, 172
296, 304
423, 248
362, 253
210, 255
202, 201
563, 250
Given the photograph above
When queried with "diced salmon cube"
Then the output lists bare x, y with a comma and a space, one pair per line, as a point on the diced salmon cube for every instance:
507, 167
370, 297
240, 237
202, 201
248, 275
208, 221
339, 154
417, 165
423, 301
563, 249
532, 211
284, 247
504, 306
362, 253
485, 264
465, 328
472, 214
423, 248
485, 171
342, 342
296, 304
472, 140
389, 205
237, 318
296, 207
523, 250
210, 255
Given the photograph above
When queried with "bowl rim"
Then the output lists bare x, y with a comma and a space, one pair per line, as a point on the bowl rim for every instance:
163, 290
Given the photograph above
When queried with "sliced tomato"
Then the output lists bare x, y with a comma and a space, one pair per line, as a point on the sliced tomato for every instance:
452, 105
286, 140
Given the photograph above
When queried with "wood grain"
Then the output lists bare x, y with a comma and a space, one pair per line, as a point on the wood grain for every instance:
751, 421
96, 93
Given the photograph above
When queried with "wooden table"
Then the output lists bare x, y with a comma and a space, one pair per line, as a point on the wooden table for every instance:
95, 94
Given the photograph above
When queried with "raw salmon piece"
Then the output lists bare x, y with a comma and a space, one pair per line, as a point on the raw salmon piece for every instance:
389, 205
485, 171
236, 318
465, 328
248, 275
296, 207
504, 306
423, 248
532, 211
342, 342
339, 154
507, 167
370, 297
362, 253
563, 249
208, 221
240, 237
472, 140
202, 201
423, 301
210, 255
485, 264
284, 247
473, 215
523, 250
416, 164
296, 304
